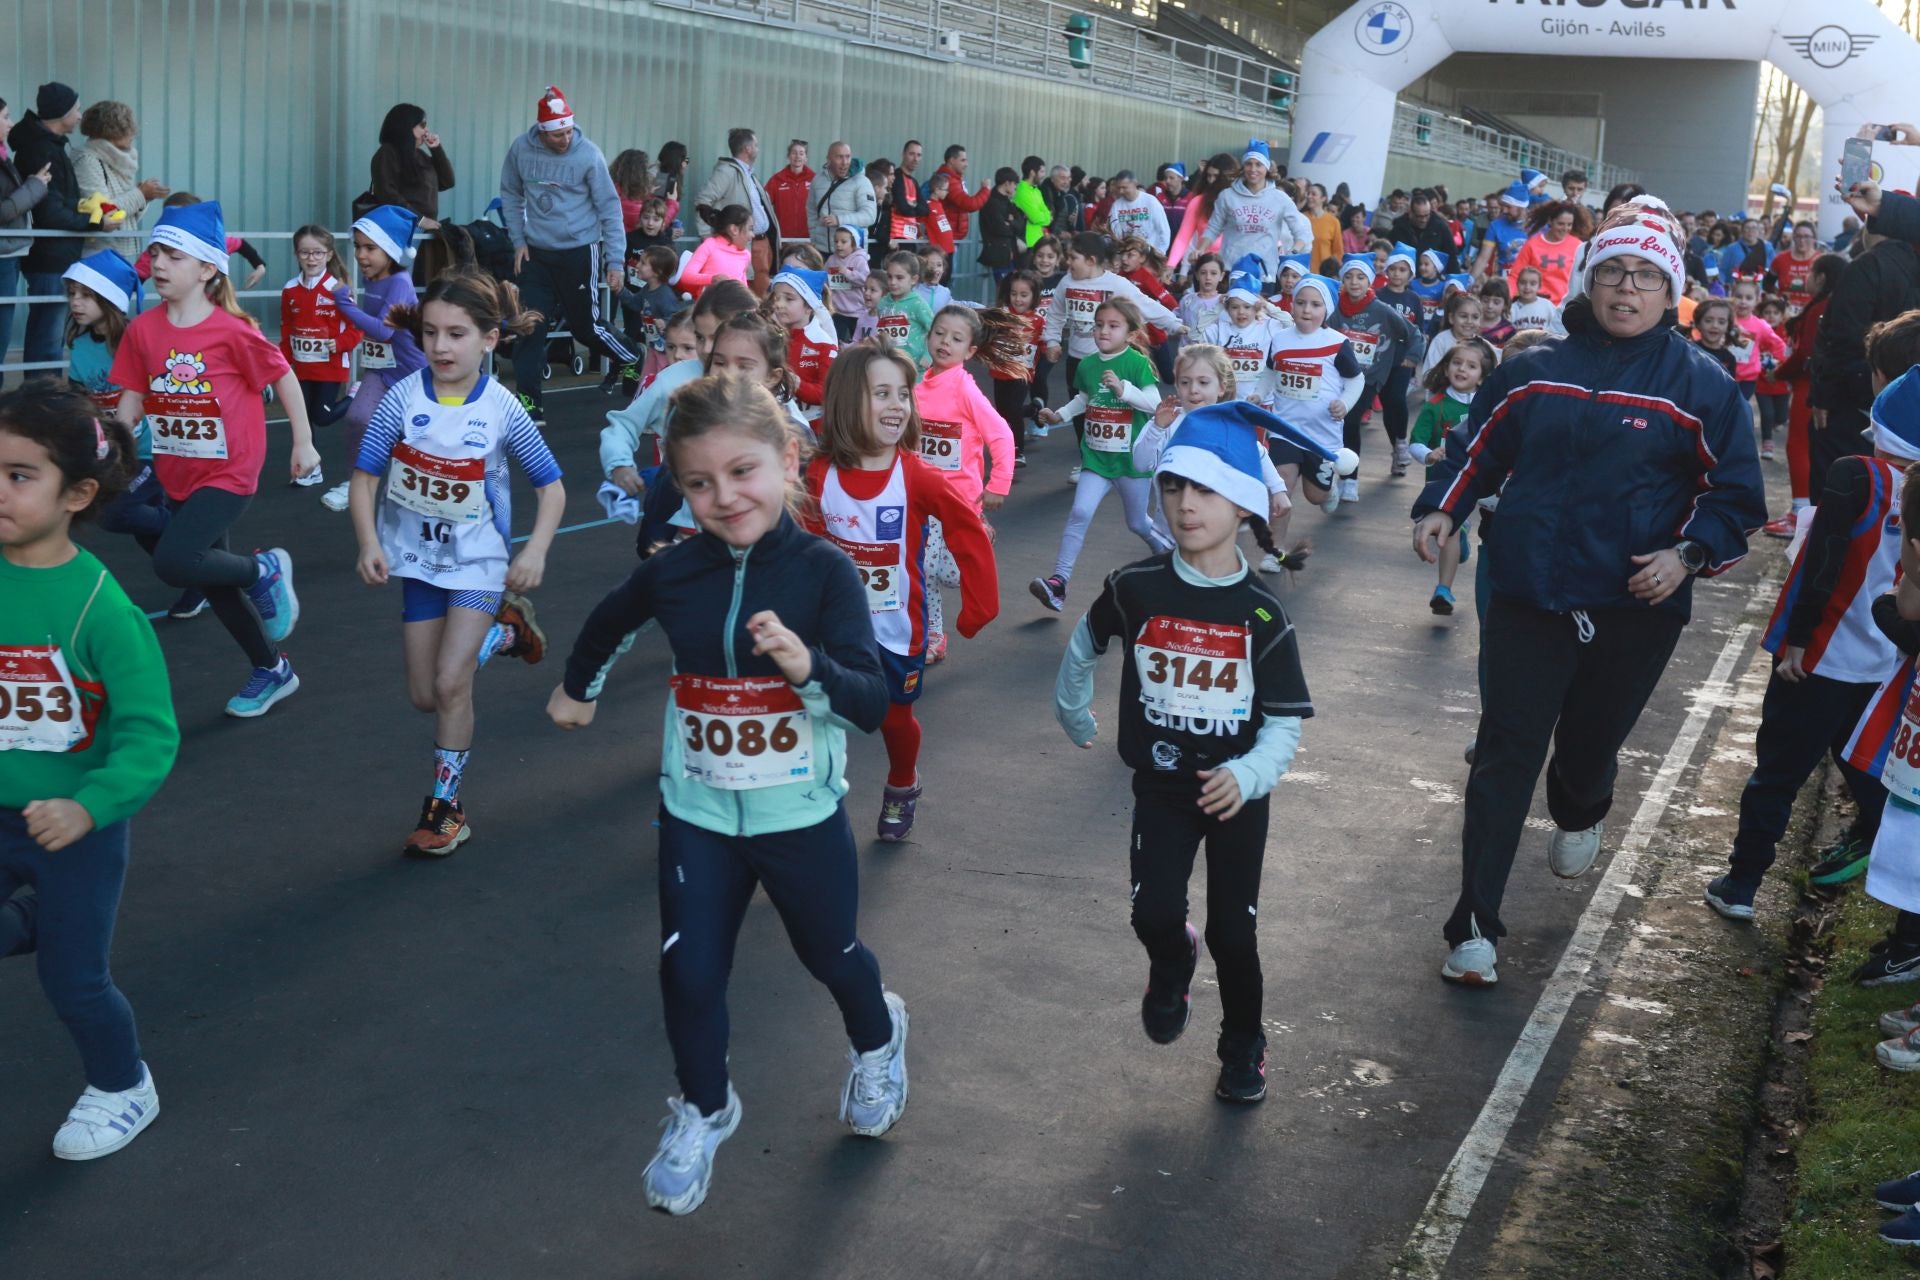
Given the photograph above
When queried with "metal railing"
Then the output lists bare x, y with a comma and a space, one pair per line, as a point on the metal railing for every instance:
1422, 129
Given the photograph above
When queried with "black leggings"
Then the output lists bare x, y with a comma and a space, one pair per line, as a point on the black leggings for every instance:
324, 405
1773, 412
1010, 400
1393, 403
192, 552
1168, 827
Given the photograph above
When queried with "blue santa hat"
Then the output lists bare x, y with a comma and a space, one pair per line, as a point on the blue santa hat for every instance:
1244, 281
1895, 416
391, 227
1459, 280
1437, 258
1257, 150
110, 276
1516, 196
1328, 289
1174, 166
1782, 190
1218, 445
812, 288
1406, 253
197, 230
1300, 262
1533, 179
1357, 262
859, 235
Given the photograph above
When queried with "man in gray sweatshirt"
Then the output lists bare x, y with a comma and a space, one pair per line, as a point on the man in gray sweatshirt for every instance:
564, 216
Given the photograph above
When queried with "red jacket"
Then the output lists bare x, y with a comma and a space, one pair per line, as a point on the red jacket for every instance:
788, 191
959, 204
1801, 331
326, 339
928, 494
939, 227
1150, 285
809, 361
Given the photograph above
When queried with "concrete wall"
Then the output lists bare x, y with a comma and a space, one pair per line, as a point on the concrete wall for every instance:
1686, 126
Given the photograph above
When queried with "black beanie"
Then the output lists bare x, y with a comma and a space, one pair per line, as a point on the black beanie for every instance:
54, 100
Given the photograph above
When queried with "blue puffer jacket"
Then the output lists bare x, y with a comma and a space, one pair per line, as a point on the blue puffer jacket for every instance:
1607, 448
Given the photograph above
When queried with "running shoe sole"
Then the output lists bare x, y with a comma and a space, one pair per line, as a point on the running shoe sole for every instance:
1886, 1060
413, 850
695, 1196
291, 686
1909, 973
1467, 977
1441, 605
525, 606
1731, 910
1039, 591
293, 601
181, 615
1842, 872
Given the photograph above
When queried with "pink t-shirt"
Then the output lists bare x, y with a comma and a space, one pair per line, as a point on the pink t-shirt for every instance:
957, 424
1764, 340
202, 390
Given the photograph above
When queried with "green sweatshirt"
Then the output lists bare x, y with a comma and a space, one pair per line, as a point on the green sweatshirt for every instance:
114, 660
1028, 200
912, 318
1133, 368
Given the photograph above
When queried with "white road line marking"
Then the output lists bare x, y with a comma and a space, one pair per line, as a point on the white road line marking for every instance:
1439, 1226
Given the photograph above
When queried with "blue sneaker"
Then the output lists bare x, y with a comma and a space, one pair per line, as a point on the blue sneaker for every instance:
272, 594
266, 686
1903, 1230
1731, 898
1442, 602
1899, 1195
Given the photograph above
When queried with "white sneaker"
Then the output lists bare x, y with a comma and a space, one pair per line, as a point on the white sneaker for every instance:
1270, 563
1571, 854
681, 1170
1073, 476
335, 499
1349, 490
1331, 503
102, 1123
1471, 963
876, 1089
310, 479
1901, 1021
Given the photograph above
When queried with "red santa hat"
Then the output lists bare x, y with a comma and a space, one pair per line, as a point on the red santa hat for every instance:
555, 114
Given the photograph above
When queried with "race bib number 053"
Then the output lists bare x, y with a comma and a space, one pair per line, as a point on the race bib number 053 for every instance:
1203, 670
39, 706
743, 732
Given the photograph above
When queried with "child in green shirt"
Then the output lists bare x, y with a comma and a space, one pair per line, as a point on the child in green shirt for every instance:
1450, 385
903, 317
1118, 393
86, 737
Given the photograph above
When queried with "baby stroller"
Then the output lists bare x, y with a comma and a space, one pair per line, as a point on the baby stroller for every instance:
493, 253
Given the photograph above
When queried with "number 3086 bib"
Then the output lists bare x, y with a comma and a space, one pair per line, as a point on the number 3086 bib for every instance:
1199, 669
740, 733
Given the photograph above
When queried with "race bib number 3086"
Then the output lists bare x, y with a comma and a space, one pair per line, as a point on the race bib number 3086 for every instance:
1199, 669
740, 733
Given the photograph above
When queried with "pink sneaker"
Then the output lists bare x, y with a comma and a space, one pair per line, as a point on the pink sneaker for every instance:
936, 649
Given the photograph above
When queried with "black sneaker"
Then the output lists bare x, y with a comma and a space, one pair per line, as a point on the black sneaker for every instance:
1243, 1068
1732, 898
1897, 962
1050, 591
1843, 862
1164, 1011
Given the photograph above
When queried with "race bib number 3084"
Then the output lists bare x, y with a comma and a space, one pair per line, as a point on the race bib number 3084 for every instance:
1109, 428
741, 733
1199, 669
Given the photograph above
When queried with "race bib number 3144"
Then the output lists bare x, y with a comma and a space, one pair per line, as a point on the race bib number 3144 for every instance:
1199, 669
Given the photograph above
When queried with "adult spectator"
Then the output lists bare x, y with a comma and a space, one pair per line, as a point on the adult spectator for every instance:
1030, 198
564, 218
1170, 189
1573, 185
733, 182
1354, 236
1062, 201
906, 203
1325, 224
1849, 228
880, 174
410, 168
107, 165
839, 198
670, 180
1882, 282
19, 193
1592, 566
957, 202
1133, 212
39, 142
787, 190
1425, 228
1003, 228
1466, 221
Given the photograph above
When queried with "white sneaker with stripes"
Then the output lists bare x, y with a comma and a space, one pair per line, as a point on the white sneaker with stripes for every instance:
101, 1123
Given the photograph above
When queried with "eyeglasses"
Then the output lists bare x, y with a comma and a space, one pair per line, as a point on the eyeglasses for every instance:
312, 253
1645, 279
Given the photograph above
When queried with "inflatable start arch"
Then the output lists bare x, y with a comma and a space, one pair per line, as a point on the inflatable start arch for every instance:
1847, 55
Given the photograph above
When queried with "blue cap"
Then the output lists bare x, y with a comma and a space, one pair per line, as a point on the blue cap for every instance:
110, 276
1517, 196
812, 288
1460, 280
1437, 258
1245, 285
1357, 262
1533, 179
1257, 150
1406, 253
1301, 262
1218, 445
391, 227
1896, 417
1176, 166
1328, 289
197, 230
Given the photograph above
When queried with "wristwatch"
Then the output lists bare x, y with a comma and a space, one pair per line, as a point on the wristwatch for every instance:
1693, 556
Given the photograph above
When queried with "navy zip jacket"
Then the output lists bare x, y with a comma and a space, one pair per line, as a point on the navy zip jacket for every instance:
1602, 449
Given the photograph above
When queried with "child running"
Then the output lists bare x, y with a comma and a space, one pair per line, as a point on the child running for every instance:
88, 736
960, 430
1211, 700
442, 522
903, 316
196, 367
315, 337
1316, 375
773, 662
1116, 390
724, 255
1012, 384
1204, 303
1452, 386
878, 500
382, 248
1246, 333
1379, 336
796, 300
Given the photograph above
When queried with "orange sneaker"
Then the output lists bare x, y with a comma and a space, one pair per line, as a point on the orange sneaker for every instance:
442, 829
529, 641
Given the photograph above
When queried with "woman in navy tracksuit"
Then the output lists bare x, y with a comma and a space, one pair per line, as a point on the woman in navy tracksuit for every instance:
1625, 465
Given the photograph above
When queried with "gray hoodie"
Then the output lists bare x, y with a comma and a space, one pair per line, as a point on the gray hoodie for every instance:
561, 201
1249, 223
18, 195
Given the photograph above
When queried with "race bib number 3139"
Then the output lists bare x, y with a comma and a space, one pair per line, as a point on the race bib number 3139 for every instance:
1199, 669
453, 489
740, 733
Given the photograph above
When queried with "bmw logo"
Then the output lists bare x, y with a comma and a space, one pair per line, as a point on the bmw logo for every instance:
1384, 28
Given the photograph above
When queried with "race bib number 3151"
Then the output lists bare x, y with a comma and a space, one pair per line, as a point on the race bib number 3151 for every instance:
740, 733
1199, 669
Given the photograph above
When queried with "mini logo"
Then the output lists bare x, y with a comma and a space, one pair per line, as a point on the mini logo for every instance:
911, 683
1384, 28
1166, 756
1638, 424
1830, 46
1263, 615
421, 419
474, 440
890, 521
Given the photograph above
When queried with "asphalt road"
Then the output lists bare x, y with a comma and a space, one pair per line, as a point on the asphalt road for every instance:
377, 1067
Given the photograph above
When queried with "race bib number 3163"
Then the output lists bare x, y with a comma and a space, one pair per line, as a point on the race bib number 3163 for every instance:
740, 733
1199, 669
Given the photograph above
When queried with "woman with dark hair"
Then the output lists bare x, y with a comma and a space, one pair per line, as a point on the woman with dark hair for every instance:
1802, 331
1216, 175
672, 168
410, 169
1354, 236
1620, 194
1556, 229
